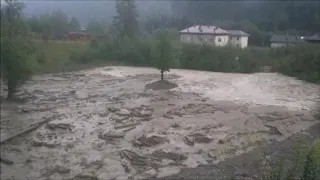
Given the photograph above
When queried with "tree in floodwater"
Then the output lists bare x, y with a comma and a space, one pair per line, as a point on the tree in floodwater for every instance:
164, 58
15, 48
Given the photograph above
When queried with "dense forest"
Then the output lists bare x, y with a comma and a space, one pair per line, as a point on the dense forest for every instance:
260, 19
302, 16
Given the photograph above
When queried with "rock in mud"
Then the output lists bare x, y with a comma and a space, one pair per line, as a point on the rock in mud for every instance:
149, 141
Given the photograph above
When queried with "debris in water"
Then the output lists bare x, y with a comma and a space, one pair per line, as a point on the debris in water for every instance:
126, 125
6, 161
175, 125
149, 141
274, 130
53, 126
168, 116
123, 112
84, 177
161, 85
110, 136
56, 169
166, 171
189, 141
169, 155
42, 143
113, 109
129, 129
135, 159
201, 138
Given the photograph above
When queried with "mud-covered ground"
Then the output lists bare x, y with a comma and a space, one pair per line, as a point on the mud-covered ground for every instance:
110, 123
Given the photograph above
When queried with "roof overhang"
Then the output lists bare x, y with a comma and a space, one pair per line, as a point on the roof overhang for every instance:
204, 33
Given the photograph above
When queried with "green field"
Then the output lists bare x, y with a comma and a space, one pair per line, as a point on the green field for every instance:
56, 56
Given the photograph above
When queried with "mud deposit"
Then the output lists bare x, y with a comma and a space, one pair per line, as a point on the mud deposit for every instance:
104, 124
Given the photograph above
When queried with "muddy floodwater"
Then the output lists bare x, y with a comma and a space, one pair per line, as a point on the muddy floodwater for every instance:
119, 123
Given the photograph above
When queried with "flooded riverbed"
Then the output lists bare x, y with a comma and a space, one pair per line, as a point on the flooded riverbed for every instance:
107, 123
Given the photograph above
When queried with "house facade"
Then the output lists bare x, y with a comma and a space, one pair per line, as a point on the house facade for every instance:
212, 35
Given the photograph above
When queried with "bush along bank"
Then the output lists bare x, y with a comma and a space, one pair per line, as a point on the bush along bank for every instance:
302, 61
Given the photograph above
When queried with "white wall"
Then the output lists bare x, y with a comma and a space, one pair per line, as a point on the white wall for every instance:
275, 45
244, 41
239, 41
221, 40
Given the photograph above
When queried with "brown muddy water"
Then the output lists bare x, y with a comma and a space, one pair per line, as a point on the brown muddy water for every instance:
105, 123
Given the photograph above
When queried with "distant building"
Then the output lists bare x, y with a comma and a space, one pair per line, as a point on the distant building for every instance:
285, 40
313, 39
212, 35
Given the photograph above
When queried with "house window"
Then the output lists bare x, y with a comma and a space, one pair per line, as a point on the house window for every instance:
238, 38
219, 40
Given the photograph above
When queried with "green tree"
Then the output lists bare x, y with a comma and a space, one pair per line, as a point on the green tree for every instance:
74, 24
164, 58
15, 48
97, 28
59, 23
34, 24
126, 20
46, 26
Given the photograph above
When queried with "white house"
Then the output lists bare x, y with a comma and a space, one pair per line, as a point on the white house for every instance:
215, 36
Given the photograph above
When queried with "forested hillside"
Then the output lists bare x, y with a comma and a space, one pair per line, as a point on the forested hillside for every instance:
303, 16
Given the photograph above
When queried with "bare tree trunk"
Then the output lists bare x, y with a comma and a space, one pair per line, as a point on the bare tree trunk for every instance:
162, 75
10, 90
